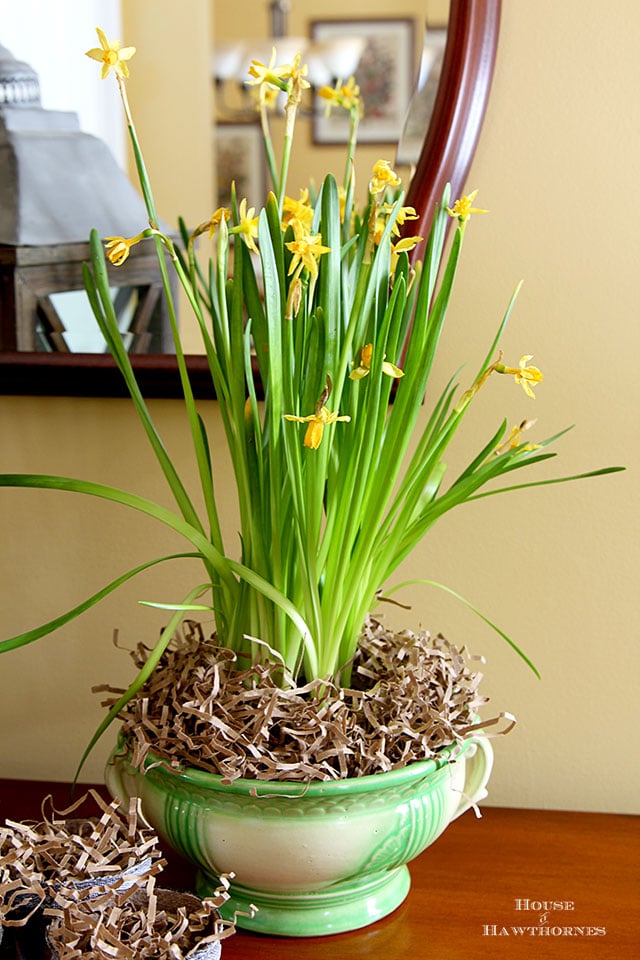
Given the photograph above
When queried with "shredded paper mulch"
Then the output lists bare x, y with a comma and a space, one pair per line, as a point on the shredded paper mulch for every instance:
90, 886
410, 695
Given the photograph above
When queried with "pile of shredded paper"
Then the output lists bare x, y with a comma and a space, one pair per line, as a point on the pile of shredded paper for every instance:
88, 888
409, 695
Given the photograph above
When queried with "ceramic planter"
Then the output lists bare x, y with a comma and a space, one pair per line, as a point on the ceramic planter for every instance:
315, 858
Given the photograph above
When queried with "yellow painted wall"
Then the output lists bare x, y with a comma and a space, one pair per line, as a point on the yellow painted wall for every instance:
172, 103
557, 165
171, 100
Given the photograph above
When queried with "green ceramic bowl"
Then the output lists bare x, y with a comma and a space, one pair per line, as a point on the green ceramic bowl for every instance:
313, 858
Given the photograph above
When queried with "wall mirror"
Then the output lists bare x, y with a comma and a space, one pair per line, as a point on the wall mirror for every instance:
445, 152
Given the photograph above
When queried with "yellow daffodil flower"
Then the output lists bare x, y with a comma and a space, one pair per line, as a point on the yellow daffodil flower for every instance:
111, 55
299, 213
306, 250
248, 226
118, 248
222, 213
364, 367
268, 73
382, 177
523, 374
514, 439
406, 244
297, 75
463, 208
209, 226
317, 422
404, 214
266, 97
345, 95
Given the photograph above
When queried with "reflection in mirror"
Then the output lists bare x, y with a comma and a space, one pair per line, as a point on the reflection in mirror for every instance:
422, 102
442, 155
65, 324
394, 62
44, 307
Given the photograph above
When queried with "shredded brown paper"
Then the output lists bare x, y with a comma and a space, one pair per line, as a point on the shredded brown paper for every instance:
93, 882
410, 695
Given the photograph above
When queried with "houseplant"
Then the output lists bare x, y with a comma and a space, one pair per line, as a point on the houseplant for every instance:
338, 323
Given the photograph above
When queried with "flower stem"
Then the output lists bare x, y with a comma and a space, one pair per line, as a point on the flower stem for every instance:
145, 184
268, 149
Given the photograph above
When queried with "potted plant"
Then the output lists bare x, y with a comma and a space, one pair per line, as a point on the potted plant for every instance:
304, 713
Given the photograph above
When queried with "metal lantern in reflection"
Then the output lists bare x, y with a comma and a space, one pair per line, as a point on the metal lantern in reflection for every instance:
56, 184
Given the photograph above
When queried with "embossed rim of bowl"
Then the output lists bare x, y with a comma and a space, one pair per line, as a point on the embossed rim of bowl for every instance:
241, 786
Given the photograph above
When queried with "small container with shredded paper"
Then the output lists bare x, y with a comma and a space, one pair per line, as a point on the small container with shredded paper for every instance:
166, 925
72, 888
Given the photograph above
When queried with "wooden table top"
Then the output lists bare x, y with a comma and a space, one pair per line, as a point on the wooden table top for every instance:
478, 892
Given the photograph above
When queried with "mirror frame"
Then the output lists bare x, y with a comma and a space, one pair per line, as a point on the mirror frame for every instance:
450, 142
459, 107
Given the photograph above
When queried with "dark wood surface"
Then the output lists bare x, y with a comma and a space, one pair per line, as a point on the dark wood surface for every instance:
96, 375
465, 890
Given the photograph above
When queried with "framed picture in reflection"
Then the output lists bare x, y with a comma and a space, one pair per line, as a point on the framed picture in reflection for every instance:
239, 152
385, 73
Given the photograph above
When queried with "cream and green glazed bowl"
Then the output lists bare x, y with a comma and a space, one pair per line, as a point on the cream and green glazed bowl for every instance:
316, 858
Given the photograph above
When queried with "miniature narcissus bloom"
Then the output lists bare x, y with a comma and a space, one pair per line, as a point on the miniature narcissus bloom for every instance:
405, 245
317, 422
112, 55
306, 250
404, 214
382, 177
118, 248
222, 213
267, 96
296, 74
515, 439
298, 212
463, 208
525, 375
345, 95
268, 73
364, 367
248, 225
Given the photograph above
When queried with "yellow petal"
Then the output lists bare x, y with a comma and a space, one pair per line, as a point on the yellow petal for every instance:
313, 436
391, 370
102, 37
366, 355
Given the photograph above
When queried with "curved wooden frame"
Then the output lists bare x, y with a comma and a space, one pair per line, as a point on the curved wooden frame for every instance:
459, 108
451, 139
